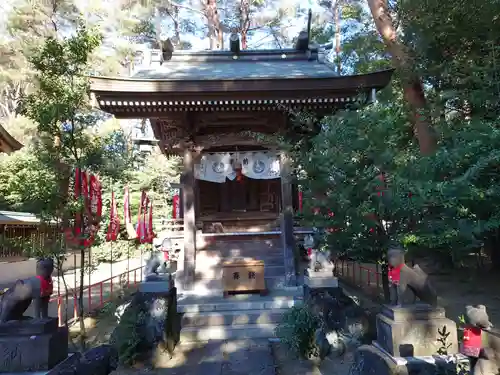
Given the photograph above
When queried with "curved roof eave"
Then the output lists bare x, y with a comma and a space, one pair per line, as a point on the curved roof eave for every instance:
10, 140
115, 85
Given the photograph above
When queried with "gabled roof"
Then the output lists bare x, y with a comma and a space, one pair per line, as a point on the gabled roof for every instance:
7, 140
224, 81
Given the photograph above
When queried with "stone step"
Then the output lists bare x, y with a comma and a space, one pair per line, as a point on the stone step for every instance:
215, 255
238, 306
268, 262
245, 331
216, 272
281, 299
232, 318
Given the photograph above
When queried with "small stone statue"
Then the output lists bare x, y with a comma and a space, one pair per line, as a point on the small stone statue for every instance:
318, 260
152, 264
488, 360
478, 317
37, 289
402, 278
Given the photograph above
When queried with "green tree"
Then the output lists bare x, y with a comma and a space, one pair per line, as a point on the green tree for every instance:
60, 107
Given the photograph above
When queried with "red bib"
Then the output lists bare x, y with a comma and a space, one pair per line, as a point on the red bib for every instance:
471, 345
46, 287
394, 274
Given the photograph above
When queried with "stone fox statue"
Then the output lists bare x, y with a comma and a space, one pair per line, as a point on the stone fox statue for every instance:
37, 289
402, 278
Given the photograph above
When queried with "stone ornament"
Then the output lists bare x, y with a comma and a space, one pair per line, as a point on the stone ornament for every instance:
37, 290
487, 359
403, 278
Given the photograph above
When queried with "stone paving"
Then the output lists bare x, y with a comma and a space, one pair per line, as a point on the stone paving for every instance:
232, 357
289, 365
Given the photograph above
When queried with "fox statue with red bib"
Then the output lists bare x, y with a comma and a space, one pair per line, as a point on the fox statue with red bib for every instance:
37, 290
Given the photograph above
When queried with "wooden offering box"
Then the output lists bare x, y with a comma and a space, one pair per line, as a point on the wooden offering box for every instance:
243, 275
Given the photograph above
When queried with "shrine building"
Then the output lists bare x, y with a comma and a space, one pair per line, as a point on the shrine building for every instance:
219, 110
8, 143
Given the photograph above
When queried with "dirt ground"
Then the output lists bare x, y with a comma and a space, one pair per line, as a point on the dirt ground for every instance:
458, 289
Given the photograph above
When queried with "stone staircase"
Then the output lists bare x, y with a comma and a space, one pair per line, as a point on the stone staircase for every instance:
246, 316
206, 315
267, 248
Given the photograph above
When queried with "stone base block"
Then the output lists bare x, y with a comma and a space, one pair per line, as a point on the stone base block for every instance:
372, 359
160, 284
33, 352
369, 360
321, 280
415, 330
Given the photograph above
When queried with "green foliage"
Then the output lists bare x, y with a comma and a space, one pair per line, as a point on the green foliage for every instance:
444, 206
297, 329
128, 337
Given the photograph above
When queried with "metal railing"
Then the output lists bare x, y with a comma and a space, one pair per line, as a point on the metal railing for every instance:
95, 296
363, 275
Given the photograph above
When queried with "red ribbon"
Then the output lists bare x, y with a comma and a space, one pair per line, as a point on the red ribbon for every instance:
472, 342
394, 274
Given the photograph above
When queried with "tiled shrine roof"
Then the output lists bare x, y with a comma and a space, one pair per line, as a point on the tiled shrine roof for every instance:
224, 65
7, 142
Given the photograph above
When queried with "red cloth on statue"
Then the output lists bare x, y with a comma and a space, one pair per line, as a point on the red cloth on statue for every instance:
46, 287
394, 274
472, 342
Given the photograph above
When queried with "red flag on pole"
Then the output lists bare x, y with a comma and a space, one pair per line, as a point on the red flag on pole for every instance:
150, 233
175, 206
114, 221
141, 218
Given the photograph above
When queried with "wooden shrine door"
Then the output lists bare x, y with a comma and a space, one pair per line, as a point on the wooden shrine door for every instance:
237, 195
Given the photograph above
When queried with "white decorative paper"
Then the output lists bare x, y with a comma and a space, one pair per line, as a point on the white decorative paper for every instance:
217, 167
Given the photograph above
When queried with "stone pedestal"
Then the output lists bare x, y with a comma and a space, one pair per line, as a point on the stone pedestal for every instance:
371, 359
160, 283
321, 279
32, 345
414, 330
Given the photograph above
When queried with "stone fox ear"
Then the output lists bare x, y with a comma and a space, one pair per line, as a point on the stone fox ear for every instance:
481, 307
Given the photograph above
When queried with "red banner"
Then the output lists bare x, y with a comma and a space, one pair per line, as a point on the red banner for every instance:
86, 221
175, 206
149, 230
141, 218
300, 201
95, 198
114, 221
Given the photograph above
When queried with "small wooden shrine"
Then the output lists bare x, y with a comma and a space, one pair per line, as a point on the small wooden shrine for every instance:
211, 106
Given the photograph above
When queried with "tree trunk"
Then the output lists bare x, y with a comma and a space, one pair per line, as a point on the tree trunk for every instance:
412, 86
492, 248
215, 32
244, 22
385, 283
336, 15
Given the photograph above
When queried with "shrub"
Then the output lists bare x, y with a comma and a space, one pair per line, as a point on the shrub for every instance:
297, 329
129, 337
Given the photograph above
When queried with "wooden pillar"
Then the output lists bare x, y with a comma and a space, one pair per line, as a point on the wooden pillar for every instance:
287, 235
197, 199
188, 203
